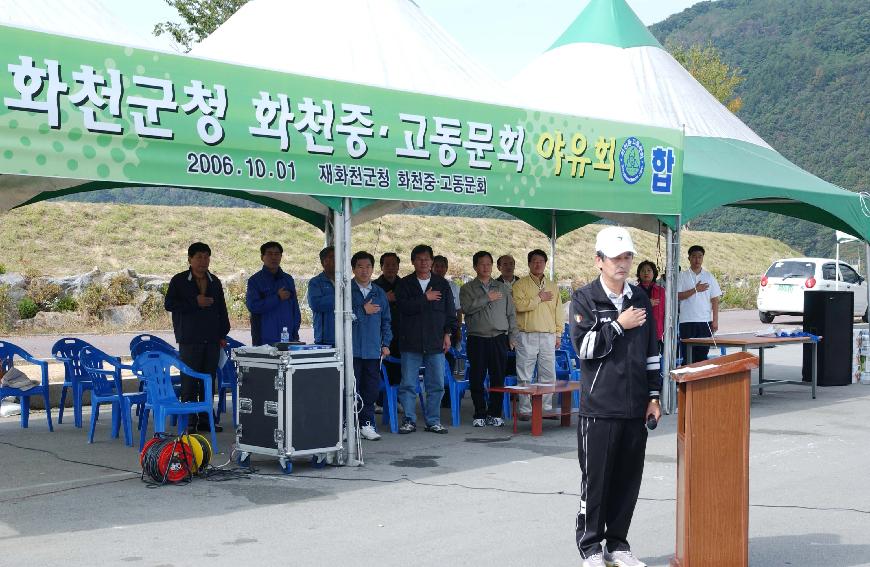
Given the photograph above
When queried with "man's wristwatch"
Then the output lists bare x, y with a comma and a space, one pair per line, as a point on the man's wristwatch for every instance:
655, 401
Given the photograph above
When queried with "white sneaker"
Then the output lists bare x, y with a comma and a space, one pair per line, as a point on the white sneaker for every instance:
622, 559
495, 421
8, 408
478, 423
596, 560
368, 432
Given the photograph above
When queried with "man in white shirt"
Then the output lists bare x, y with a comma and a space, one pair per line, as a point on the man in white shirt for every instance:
699, 293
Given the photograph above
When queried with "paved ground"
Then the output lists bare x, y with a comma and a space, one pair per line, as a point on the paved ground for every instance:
470, 497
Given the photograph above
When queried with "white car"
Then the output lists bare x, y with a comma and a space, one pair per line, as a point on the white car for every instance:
782, 288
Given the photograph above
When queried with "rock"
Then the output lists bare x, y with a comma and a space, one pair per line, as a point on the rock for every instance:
239, 277
152, 282
13, 280
121, 316
74, 285
49, 321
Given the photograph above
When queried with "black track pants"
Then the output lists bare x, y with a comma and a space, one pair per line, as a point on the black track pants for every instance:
611, 453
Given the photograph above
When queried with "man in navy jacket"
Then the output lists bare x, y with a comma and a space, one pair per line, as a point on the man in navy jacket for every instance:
271, 299
200, 320
428, 319
372, 334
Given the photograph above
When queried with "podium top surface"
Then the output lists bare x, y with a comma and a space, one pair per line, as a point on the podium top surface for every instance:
728, 364
745, 339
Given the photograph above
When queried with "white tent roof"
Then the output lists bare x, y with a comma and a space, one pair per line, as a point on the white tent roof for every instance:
384, 43
608, 65
643, 85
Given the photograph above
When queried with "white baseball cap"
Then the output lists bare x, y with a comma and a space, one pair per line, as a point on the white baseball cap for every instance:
613, 241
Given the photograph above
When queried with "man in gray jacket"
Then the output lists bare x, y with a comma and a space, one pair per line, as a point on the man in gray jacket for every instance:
491, 324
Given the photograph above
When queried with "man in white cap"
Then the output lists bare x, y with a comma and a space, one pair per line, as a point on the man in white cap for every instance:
614, 335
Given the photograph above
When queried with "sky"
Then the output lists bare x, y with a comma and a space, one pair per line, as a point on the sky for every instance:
501, 43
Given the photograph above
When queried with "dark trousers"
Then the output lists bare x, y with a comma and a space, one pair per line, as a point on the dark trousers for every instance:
368, 385
202, 357
611, 453
694, 331
486, 354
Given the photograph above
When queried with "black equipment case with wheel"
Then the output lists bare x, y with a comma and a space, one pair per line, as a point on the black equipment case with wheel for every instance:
290, 403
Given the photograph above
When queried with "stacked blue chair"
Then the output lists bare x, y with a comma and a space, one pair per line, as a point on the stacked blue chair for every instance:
8, 352
565, 370
155, 370
67, 351
228, 379
147, 343
105, 373
391, 397
457, 390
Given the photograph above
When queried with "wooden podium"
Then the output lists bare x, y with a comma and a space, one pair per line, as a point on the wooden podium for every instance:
713, 462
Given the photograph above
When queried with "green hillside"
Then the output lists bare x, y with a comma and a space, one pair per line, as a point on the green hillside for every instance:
807, 93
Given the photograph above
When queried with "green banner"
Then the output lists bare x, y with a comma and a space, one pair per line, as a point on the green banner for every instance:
79, 109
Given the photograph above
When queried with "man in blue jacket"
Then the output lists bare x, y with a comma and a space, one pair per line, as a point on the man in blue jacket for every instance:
428, 319
372, 334
271, 299
200, 320
321, 299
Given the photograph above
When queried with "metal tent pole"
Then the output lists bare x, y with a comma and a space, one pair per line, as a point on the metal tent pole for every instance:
553, 236
672, 252
343, 344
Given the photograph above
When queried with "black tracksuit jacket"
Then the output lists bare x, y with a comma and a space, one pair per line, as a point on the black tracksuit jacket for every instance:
620, 368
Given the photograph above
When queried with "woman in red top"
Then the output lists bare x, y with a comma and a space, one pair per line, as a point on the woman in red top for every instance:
647, 274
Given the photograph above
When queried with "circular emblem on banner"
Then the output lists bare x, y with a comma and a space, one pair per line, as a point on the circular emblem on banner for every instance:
631, 160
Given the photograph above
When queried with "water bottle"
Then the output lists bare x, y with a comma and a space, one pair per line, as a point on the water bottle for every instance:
285, 336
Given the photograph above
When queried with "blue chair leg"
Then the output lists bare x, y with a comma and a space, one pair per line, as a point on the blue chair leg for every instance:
47, 410
127, 421
95, 415
214, 445
454, 405
235, 398
25, 411
62, 404
116, 419
392, 395
143, 426
77, 405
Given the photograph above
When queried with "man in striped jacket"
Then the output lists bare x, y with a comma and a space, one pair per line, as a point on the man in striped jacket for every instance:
614, 335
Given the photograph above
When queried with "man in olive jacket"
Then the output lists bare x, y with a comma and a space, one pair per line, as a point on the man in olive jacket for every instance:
428, 318
491, 324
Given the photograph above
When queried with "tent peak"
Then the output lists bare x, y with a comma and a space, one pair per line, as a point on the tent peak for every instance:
610, 22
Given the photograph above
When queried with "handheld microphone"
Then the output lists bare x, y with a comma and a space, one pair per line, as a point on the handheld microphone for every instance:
651, 422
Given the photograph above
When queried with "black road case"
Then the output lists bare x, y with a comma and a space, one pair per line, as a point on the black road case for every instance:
290, 403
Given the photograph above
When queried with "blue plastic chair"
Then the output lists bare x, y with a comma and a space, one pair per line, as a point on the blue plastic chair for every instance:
148, 343
155, 369
228, 379
565, 370
8, 352
391, 397
67, 351
457, 390
105, 373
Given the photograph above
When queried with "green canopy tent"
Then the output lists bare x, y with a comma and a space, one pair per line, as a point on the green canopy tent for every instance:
622, 72
186, 122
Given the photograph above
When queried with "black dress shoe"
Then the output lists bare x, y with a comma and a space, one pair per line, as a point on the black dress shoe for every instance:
205, 427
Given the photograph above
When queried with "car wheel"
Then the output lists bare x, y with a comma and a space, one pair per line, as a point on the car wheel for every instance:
864, 317
766, 317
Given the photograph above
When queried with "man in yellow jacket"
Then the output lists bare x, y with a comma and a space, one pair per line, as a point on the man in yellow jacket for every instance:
540, 319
